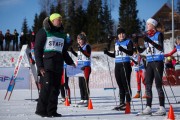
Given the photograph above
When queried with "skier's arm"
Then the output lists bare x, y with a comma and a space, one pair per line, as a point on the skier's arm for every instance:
160, 40
86, 52
171, 53
39, 48
73, 52
129, 49
108, 53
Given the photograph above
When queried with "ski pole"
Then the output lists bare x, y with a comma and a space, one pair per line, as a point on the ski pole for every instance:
170, 86
108, 46
74, 85
140, 82
138, 72
74, 91
111, 81
128, 85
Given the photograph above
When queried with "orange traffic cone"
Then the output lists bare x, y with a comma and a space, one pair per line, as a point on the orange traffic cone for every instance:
171, 113
128, 108
90, 106
67, 102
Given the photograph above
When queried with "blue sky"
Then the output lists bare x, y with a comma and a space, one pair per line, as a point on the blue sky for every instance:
13, 12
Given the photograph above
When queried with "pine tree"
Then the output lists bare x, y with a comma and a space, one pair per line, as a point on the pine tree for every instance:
42, 16
52, 9
93, 26
35, 27
108, 22
128, 16
46, 5
70, 18
80, 21
101, 24
24, 28
59, 9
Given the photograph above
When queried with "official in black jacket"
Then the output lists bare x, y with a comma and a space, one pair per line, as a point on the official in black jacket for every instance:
50, 54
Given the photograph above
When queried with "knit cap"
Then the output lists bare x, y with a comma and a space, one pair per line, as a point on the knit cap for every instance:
54, 16
152, 21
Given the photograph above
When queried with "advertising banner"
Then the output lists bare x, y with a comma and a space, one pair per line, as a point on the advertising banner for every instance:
74, 72
22, 80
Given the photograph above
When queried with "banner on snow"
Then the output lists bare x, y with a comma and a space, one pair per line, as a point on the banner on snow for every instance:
22, 78
74, 72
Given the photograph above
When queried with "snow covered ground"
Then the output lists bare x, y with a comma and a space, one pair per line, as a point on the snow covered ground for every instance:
20, 106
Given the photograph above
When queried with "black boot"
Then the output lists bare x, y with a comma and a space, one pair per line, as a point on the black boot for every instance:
122, 106
55, 115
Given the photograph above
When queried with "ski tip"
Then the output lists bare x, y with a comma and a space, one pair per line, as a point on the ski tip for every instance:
141, 113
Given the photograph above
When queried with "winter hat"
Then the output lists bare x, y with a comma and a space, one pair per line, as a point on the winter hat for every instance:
120, 30
54, 16
152, 21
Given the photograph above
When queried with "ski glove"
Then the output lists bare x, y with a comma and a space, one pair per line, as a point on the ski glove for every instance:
82, 68
146, 39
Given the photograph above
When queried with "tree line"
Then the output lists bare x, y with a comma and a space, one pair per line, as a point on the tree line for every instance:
91, 16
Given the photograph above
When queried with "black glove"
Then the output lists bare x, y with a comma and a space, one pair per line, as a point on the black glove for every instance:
71, 49
82, 68
80, 48
121, 48
146, 39
105, 50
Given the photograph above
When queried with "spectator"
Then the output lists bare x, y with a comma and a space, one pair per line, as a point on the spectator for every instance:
1, 40
15, 40
32, 40
8, 38
22, 39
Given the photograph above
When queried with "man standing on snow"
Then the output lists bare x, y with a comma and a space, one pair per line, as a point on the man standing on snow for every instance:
50, 54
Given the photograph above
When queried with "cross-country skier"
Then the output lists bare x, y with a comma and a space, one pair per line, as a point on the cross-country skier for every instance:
139, 69
122, 53
155, 66
84, 58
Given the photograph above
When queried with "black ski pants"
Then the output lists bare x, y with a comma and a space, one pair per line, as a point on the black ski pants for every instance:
154, 70
123, 76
